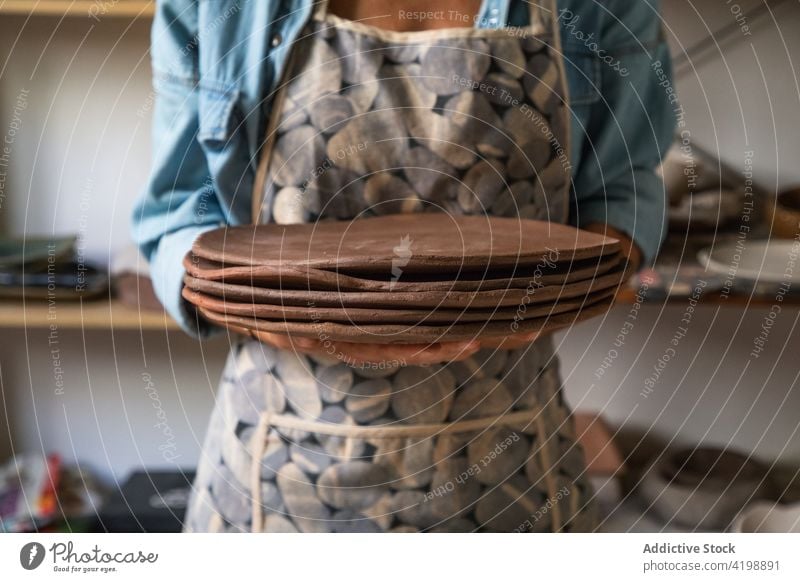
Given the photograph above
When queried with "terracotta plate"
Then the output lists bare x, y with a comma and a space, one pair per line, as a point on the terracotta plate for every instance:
310, 278
375, 315
404, 300
394, 334
416, 243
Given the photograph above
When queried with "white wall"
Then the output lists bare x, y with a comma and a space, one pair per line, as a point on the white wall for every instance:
128, 401
83, 152
711, 391
743, 94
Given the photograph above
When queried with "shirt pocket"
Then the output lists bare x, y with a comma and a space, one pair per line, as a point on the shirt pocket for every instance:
217, 109
222, 136
583, 76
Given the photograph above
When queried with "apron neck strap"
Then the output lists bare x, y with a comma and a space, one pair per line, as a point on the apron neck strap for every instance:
320, 9
537, 10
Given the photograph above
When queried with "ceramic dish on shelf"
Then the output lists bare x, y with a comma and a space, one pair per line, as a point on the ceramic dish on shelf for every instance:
404, 300
324, 280
684, 174
415, 243
765, 517
760, 265
702, 488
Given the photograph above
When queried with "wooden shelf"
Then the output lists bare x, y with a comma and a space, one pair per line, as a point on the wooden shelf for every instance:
95, 9
98, 314
627, 296
114, 315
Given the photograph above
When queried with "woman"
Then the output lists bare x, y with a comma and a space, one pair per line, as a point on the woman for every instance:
301, 111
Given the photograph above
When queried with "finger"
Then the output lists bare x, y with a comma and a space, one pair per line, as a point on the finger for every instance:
274, 339
511, 342
407, 354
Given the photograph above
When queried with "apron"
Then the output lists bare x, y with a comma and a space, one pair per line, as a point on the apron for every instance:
372, 122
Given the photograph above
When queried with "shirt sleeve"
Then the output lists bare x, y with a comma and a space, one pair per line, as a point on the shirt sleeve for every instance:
629, 129
179, 201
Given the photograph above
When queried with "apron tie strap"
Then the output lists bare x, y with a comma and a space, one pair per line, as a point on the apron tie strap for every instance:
258, 448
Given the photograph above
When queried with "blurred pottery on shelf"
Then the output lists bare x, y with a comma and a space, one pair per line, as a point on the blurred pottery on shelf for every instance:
35, 252
136, 291
602, 455
703, 488
684, 175
764, 517
785, 214
675, 280
604, 463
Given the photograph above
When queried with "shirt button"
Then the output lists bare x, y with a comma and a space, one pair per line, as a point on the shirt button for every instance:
276, 39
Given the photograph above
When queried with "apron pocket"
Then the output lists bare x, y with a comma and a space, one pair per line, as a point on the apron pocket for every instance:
482, 474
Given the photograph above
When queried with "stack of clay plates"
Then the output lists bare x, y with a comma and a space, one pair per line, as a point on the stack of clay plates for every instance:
413, 278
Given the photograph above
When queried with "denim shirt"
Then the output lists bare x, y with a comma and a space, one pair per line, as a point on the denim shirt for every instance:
217, 63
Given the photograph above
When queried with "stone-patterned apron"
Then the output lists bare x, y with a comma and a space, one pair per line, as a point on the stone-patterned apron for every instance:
370, 121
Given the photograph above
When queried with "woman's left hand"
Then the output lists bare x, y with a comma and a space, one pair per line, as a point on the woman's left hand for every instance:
512, 342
